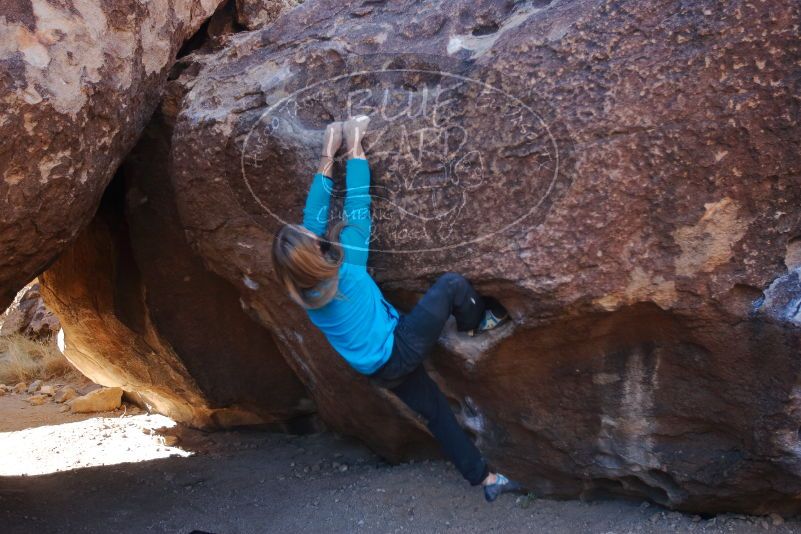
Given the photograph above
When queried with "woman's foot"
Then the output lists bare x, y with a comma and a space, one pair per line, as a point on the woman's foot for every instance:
496, 484
494, 316
332, 140
354, 130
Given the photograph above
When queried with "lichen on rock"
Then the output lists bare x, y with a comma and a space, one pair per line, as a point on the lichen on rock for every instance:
79, 81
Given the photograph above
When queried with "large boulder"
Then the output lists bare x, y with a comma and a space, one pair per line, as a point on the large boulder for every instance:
29, 316
623, 176
79, 81
141, 312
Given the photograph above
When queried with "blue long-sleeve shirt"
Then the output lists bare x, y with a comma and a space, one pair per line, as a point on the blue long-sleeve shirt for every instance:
359, 323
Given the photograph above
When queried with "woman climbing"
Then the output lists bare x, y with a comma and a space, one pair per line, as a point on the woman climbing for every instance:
328, 277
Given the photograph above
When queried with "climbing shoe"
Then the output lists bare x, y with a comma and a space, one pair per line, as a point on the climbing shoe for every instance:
501, 485
494, 316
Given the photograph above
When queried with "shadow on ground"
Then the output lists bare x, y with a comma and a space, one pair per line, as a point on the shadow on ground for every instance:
253, 482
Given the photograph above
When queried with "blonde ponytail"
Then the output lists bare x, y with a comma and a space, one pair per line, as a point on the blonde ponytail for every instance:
308, 265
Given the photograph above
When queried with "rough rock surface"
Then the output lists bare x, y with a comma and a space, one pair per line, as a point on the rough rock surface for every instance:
29, 316
254, 14
141, 312
623, 176
78, 81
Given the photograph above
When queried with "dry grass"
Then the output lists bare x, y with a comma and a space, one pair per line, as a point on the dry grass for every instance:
23, 360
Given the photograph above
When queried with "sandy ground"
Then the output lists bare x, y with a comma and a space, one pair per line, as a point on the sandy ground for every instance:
253, 482
17, 414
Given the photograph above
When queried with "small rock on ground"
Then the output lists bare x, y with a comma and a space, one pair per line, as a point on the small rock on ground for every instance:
38, 400
34, 386
64, 394
99, 400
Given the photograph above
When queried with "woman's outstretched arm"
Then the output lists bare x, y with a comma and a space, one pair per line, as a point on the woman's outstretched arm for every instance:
315, 213
355, 236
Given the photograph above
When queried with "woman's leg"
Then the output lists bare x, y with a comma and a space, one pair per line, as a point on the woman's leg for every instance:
422, 395
418, 331
415, 337
453, 295
450, 295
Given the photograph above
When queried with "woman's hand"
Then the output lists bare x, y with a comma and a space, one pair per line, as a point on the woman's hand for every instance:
332, 139
354, 130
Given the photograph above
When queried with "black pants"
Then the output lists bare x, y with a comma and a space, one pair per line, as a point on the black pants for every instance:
415, 336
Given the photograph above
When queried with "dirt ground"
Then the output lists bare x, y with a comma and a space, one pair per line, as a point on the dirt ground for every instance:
17, 414
253, 482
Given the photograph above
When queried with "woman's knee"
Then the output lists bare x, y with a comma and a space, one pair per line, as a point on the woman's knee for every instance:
452, 280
